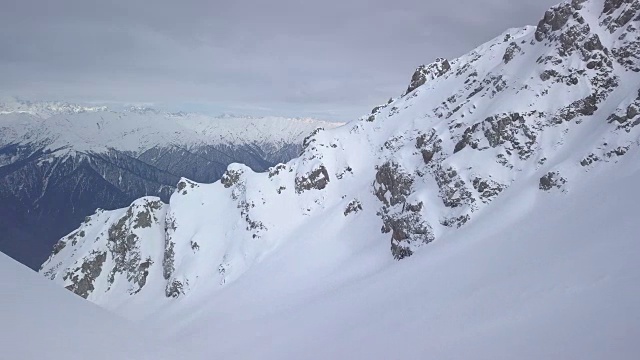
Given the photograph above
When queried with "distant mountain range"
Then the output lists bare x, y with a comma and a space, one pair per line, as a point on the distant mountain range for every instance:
60, 162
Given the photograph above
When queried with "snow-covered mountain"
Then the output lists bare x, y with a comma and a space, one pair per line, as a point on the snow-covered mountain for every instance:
60, 162
505, 180
44, 109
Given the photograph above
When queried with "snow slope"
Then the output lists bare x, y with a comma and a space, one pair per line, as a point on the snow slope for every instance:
39, 320
535, 277
504, 180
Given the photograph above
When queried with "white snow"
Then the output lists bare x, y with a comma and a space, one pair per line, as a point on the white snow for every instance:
99, 129
39, 320
536, 277
281, 272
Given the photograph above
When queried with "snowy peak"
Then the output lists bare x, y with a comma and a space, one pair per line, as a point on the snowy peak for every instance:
140, 129
535, 112
124, 264
45, 109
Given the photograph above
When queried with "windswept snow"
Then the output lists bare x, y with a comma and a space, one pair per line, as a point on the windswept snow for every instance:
39, 320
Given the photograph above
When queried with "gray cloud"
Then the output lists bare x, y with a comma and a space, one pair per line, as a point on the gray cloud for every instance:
333, 59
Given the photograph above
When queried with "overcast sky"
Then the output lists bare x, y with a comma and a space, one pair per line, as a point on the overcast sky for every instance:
333, 59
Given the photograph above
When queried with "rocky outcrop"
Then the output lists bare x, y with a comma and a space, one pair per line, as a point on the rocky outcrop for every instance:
627, 117
400, 218
230, 177
174, 289
552, 180
487, 189
429, 72
123, 242
353, 207
316, 179
510, 131
83, 277
511, 52
556, 18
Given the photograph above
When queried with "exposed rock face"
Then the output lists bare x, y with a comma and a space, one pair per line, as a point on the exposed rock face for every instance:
353, 207
230, 178
627, 117
556, 18
392, 185
552, 180
505, 130
310, 138
124, 243
174, 289
487, 188
425, 73
122, 258
316, 179
511, 52
83, 277
168, 259
400, 218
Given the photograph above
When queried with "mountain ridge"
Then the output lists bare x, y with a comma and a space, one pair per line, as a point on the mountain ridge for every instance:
524, 121
59, 167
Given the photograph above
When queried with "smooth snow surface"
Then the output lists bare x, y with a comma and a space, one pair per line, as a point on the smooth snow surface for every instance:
41, 321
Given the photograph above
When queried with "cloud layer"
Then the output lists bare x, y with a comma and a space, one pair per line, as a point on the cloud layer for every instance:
332, 59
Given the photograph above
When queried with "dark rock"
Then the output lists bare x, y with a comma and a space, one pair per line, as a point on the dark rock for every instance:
612, 5
429, 146
429, 72
317, 179
276, 170
174, 289
353, 207
91, 267
453, 190
168, 259
59, 246
511, 52
403, 220
141, 274
551, 180
456, 222
392, 180
427, 156
310, 138
554, 19
487, 188
408, 230
592, 158
124, 246
230, 177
